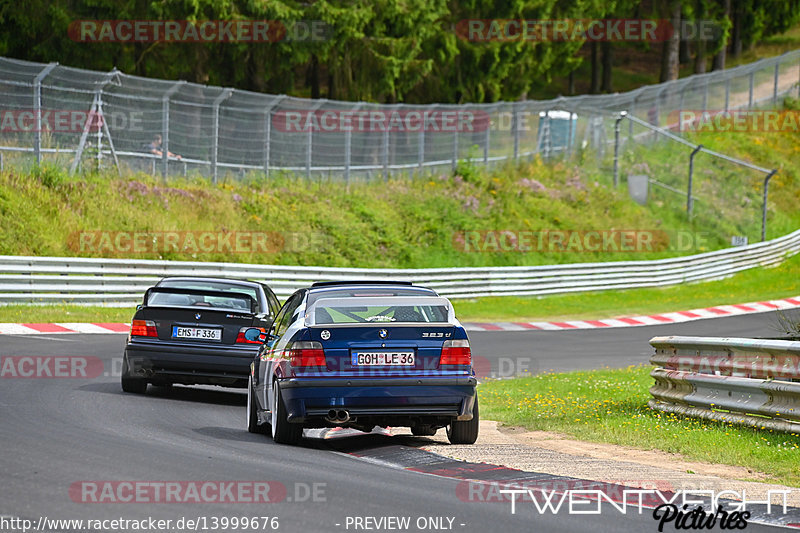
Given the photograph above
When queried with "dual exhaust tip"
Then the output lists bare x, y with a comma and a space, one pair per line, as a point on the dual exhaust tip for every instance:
337, 417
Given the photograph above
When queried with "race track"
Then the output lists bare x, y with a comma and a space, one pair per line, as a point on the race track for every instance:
57, 433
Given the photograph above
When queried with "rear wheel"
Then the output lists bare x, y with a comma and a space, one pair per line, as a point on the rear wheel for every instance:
252, 411
131, 384
464, 431
282, 431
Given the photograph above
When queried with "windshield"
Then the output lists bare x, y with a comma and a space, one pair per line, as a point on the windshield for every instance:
203, 285
379, 310
235, 302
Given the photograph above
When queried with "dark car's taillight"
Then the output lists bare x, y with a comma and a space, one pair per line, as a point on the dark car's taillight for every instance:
456, 352
143, 328
241, 339
306, 353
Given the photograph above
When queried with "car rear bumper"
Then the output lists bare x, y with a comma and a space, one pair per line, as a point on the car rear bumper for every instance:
399, 401
190, 364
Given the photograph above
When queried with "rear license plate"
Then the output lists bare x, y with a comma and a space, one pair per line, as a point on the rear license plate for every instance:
206, 334
375, 358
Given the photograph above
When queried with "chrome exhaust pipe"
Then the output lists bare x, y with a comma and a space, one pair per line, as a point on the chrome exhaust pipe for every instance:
342, 416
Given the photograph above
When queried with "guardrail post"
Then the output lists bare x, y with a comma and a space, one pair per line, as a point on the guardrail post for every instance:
37, 110
689, 198
165, 126
224, 95
764, 205
621, 116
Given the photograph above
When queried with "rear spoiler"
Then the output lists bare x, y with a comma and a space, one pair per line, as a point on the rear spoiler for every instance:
200, 292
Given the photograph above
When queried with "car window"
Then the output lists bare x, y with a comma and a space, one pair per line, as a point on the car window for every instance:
214, 286
337, 314
272, 301
233, 302
284, 318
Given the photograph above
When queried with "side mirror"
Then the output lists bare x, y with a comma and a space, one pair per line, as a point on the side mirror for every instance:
254, 334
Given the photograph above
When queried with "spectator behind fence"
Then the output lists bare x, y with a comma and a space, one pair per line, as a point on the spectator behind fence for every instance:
155, 148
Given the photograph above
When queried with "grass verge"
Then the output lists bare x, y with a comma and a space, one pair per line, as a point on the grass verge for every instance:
610, 406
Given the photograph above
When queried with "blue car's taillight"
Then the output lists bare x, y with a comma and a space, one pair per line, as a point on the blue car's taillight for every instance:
456, 352
306, 353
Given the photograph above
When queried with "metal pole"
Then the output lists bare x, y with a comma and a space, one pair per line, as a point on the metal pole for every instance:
764, 205
165, 126
309, 144
37, 110
516, 132
689, 198
775, 84
486, 140
621, 116
385, 156
455, 147
705, 95
727, 93
750, 95
225, 94
268, 132
348, 148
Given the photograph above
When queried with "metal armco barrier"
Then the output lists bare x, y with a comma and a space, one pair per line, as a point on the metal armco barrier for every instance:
750, 382
122, 281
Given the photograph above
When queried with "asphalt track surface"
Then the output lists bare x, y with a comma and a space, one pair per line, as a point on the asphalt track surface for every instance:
58, 432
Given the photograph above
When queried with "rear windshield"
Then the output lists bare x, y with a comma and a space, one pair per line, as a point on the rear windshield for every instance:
209, 286
161, 299
368, 310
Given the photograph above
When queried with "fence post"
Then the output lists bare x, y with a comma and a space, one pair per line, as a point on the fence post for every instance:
727, 93
225, 94
37, 110
689, 198
455, 146
385, 152
750, 94
705, 95
309, 143
486, 139
764, 205
165, 126
621, 116
775, 83
515, 115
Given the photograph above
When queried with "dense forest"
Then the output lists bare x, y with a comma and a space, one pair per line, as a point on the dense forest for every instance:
389, 50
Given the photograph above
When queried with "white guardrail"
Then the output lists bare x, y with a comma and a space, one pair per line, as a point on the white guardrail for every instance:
751, 382
119, 282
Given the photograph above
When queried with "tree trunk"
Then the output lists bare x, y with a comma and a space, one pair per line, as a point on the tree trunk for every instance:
313, 76
608, 51
719, 57
669, 54
595, 84
736, 32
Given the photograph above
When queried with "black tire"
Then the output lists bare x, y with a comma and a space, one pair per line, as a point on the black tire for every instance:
282, 431
465, 431
252, 413
131, 384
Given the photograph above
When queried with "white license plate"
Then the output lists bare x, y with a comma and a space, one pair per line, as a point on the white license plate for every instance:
383, 358
208, 334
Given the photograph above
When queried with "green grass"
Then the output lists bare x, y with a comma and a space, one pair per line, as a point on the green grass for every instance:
748, 286
611, 406
64, 313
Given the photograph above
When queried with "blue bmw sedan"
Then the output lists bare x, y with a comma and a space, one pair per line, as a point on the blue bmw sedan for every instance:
360, 355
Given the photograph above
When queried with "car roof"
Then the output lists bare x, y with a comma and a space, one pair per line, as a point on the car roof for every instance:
315, 289
232, 281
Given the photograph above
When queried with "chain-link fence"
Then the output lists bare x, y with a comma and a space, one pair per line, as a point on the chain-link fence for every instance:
79, 118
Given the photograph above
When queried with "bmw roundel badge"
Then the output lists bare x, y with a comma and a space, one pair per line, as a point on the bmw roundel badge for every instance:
197, 316
325, 334
382, 333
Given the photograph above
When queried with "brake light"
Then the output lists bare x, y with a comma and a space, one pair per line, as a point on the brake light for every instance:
306, 353
143, 328
241, 339
456, 352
